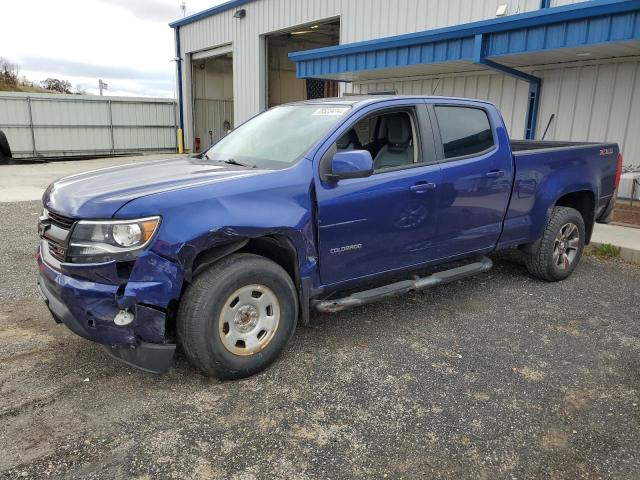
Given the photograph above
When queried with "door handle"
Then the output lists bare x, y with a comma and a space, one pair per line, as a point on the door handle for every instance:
422, 187
495, 174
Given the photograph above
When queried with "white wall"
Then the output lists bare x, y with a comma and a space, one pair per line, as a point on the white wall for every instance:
213, 79
506, 92
283, 84
597, 102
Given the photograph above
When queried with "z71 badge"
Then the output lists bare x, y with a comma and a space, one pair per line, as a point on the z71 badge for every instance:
606, 151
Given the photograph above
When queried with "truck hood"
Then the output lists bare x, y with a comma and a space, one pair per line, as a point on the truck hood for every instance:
101, 193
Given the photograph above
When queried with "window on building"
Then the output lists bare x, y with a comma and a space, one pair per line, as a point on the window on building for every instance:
464, 131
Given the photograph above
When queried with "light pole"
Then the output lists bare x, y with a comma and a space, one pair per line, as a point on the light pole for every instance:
102, 86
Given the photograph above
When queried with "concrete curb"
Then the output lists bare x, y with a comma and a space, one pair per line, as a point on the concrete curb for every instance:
630, 255
627, 239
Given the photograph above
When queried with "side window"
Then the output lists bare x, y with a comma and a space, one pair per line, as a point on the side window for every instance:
464, 130
389, 137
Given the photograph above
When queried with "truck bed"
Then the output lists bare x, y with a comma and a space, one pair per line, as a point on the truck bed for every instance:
543, 170
528, 145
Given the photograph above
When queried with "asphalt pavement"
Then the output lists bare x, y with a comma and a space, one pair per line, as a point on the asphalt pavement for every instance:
497, 376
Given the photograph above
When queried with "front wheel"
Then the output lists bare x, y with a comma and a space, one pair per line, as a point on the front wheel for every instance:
556, 254
237, 316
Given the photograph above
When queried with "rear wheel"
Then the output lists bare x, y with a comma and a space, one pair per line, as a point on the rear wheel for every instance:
556, 254
237, 316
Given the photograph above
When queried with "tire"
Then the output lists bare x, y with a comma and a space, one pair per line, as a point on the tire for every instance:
237, 316
556, 254
5, 151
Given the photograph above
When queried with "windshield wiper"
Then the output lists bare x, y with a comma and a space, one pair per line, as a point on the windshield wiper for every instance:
233, 161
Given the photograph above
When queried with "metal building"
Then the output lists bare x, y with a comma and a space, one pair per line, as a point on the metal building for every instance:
559, 69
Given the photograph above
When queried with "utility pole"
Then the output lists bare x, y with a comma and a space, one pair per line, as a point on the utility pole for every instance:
183, 7
102, 86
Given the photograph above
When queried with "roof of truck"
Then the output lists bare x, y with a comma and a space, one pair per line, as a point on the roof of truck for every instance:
353, 100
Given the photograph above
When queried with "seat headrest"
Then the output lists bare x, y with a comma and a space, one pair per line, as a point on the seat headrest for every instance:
398, 129
350, 138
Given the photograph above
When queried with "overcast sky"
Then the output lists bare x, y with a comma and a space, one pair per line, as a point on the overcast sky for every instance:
126, 43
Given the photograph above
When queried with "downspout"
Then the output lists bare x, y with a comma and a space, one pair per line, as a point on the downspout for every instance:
545, 3
535, 84
178, 59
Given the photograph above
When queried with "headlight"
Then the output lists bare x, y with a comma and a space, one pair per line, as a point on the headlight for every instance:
103, 241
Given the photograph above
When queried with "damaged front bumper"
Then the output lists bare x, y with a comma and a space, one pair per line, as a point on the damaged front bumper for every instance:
88, 307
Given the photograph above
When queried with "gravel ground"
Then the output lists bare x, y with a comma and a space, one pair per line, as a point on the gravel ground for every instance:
500, 376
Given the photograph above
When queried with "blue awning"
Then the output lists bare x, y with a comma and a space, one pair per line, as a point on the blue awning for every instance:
593, 29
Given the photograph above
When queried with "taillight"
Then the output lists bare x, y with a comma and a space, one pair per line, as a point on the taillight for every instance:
197, 144
618, 172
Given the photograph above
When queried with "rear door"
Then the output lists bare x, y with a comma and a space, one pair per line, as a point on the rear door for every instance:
385, 221
476, 165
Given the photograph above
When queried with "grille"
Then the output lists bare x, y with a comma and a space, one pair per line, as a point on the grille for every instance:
60, 220
57, 251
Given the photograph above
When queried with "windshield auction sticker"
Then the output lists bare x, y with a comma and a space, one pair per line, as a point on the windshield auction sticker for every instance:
331, 111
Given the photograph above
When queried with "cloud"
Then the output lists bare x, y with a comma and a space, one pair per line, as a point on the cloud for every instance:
81, 69
126, 43
150, 10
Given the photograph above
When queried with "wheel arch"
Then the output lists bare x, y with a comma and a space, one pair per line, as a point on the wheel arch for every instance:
584, 202
581, 199
276, 247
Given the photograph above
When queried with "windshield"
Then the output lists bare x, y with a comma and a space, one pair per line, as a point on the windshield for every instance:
278, 138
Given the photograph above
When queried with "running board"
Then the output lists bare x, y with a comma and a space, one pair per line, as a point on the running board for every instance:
404, 286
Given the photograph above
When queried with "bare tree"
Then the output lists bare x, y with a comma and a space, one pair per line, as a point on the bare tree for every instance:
79, 90
56, 85
9, 72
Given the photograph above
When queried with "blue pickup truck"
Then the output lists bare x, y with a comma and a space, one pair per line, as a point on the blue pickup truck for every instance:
318, 205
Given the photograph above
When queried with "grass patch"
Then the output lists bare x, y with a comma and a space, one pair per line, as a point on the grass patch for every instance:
5, 87
604, 251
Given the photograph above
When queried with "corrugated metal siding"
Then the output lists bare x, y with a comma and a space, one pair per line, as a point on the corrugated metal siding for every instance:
541, 33
591, 102
559, 3
360, 20
507, 93
605, 28
433, 52
67, 125
594, 103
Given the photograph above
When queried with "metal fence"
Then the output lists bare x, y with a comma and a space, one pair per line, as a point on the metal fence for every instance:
50, 125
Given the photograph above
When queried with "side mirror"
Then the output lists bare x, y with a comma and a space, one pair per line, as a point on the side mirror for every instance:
350, 164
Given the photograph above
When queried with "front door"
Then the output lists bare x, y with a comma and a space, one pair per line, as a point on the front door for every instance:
385, 221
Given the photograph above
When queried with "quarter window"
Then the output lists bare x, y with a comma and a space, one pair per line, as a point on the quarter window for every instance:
464, 131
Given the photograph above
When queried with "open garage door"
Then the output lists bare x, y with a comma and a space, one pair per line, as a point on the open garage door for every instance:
282, 84
212, 78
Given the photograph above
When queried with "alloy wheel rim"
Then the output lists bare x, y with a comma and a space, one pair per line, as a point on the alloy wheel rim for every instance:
249, 319
566, 245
